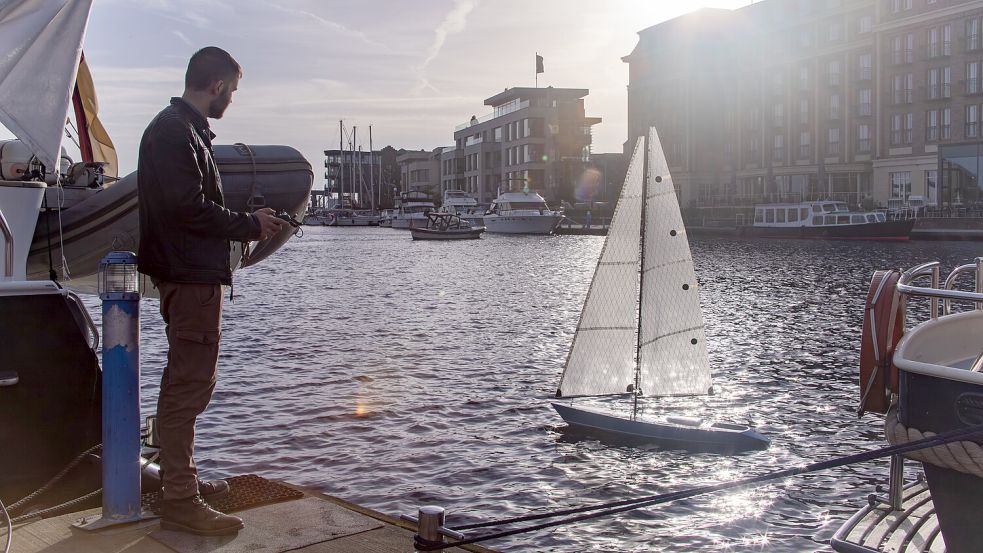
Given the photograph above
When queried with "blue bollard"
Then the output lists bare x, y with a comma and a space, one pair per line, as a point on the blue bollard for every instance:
120, 294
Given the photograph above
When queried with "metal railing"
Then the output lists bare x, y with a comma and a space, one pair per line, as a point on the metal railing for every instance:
8, 247
89, 323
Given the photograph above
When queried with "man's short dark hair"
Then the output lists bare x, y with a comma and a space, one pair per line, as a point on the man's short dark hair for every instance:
208, 65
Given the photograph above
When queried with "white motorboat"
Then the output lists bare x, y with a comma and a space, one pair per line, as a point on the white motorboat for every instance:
411, 211
462, 204
521, 213
352, 218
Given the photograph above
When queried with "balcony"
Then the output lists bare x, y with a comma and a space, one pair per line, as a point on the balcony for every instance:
938, 91
939, 49
902, 96
833, 148
472, 140
497, 113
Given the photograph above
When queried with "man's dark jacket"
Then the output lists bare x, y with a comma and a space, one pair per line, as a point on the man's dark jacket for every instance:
184, 227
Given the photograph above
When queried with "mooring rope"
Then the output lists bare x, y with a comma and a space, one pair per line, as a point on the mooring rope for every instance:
616, 507
54, 480
962, 456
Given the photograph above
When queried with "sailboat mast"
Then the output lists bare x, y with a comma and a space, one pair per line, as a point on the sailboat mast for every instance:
371, 171
351, 197
641, 282
341, 158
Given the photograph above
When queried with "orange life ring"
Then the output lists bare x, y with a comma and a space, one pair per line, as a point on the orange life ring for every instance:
883, 327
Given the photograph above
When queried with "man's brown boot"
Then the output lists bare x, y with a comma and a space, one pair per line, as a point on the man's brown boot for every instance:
212, 490
192, 514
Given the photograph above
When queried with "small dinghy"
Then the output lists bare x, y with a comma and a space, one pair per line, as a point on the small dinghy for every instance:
641, 328
446, 226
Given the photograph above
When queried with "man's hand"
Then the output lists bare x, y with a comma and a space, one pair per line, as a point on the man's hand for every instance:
269, 223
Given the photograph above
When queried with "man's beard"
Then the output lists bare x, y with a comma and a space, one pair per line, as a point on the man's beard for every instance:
218, 106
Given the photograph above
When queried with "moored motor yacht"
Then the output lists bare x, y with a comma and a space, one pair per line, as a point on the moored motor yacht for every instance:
412, 209
926, 379
824, 219
462, 204
521, 213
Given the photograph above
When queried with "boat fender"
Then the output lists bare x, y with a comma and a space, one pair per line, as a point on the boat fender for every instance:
882, 329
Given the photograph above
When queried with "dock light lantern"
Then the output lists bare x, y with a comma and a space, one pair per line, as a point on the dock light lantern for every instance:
120, 294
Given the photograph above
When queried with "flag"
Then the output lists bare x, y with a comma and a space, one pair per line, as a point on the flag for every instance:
539, 64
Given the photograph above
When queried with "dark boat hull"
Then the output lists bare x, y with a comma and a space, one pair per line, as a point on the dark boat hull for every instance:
274, 176
888, 230
936, 404
725, 438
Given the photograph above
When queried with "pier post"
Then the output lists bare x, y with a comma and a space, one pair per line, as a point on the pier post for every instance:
430, 529
120, 294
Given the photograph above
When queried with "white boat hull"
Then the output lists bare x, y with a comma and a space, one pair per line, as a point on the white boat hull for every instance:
673, 432
522, 224
450, 234
406, 223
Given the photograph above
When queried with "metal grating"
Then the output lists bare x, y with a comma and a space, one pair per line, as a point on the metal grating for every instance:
245, 492
876, 528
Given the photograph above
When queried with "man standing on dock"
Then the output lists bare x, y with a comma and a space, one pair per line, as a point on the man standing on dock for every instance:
184, 247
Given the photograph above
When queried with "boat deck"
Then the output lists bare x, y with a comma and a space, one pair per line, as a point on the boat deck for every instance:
314, 523
878, 528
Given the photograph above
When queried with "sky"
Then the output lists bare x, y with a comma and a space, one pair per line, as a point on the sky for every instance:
411, 70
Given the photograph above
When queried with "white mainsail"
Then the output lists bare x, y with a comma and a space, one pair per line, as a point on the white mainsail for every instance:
672, 353
602, 357
41, 43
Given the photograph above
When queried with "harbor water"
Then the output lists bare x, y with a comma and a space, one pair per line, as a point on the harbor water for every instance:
395, 373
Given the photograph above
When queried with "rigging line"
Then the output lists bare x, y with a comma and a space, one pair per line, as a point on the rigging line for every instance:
661, 336
631, 504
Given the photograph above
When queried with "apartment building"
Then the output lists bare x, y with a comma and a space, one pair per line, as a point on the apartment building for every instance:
535, 137
866, 101
419, 170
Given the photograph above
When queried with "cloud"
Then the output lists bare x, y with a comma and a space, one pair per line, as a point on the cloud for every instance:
331, 25
454, 22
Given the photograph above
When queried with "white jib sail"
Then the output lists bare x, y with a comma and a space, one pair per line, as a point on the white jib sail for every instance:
602, 356
672, 347
41, 42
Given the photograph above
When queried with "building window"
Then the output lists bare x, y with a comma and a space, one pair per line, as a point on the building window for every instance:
833, 72
803, 78
863, 139
940, 41
939, 83
833, 32
864, 65
901, 184
804, 111
896, 129
834, 106
931, 186
973, 34
909, 123
973, 77
972, 121
902, 48
778, 113
931, 125
833, 142
863, 101
863, 24
804, 146
778, 150
903, 84
945, 128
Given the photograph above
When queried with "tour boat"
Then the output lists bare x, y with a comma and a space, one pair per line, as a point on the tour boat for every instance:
824, 219
521, 213
925, 378
411, 211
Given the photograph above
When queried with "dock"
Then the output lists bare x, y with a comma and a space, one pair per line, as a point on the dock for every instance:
310, 521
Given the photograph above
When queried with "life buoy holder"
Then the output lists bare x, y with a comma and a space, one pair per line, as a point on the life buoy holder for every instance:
882, 329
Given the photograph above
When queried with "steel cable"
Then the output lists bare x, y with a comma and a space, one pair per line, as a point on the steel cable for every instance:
631, 504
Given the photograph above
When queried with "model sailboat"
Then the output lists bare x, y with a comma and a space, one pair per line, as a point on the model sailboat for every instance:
641, 328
